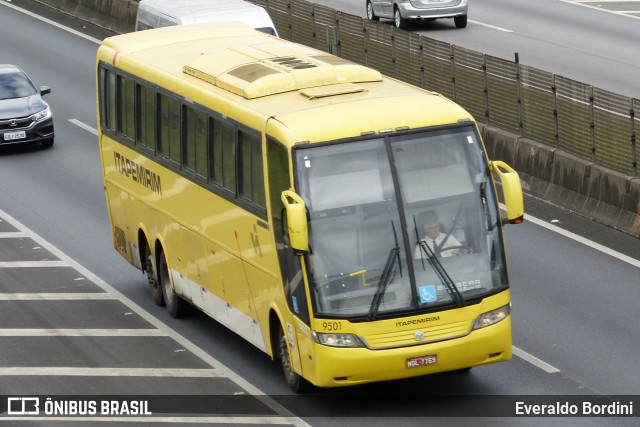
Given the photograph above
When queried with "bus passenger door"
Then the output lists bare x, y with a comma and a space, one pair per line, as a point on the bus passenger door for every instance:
297, 300
295, 310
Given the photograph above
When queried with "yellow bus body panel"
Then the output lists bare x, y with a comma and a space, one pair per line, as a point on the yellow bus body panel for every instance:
223, 252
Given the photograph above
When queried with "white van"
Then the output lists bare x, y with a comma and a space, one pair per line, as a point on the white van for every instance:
164, 13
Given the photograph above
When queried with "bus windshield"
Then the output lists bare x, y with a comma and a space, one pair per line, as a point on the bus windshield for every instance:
400, 224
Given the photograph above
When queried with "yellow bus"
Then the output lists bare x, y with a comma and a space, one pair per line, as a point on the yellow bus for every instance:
294, 197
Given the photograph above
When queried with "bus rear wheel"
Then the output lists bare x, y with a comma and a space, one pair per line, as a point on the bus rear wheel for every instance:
294, 381
152, 277
175, 305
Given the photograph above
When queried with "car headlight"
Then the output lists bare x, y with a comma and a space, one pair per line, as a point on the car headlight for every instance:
337, 340
492, 317
41, 115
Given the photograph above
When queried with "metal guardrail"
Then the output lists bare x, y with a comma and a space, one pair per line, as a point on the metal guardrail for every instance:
591, 123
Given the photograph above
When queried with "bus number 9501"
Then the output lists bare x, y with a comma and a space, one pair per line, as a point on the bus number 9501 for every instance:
332, 326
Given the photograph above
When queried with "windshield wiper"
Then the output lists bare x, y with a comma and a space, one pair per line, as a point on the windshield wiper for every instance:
386, 277
437, 266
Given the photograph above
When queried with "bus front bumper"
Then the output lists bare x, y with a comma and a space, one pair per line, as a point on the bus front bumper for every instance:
351, 366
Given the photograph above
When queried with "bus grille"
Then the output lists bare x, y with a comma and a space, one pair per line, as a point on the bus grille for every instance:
408, 337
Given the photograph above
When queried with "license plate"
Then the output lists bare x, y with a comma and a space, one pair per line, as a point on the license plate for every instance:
10, 136
429, 359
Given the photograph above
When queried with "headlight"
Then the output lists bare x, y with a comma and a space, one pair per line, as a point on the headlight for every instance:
337, 340
44, 114
492, 317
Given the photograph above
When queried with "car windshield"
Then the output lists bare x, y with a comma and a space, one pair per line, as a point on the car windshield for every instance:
15, 85
404, 223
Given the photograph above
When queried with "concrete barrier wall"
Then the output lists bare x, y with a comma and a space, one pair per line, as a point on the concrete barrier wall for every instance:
115, 15
568, 181
546, 172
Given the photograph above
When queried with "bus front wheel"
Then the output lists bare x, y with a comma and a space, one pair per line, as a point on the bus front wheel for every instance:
294, 381
175, 305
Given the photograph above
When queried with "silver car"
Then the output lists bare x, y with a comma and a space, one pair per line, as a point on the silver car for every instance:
403, 11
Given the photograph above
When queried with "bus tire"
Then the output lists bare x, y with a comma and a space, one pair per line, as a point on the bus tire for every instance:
294, 381
152, 277
175, 305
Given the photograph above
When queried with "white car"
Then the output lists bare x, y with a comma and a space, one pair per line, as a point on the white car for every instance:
403, 11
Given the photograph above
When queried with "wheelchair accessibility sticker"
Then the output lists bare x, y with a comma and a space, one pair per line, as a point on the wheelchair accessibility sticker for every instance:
427, 294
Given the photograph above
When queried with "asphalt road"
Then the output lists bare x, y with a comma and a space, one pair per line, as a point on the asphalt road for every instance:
575, 304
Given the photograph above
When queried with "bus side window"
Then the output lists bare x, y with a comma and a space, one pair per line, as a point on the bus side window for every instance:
222, 163
146, 116
251, 176
195, 141
126, 108
170, 128
108, 105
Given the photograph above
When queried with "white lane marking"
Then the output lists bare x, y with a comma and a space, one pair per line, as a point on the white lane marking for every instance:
219, 367
110, 372
608, 251
12, 235
597, 246
32, 332
30, 264
58, 296
550, 369
84, 126
614, 12
493, 27
50, 22
605, 1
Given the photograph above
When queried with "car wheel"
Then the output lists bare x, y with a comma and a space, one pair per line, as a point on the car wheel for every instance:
398, 20
370, 14
460, 21
47, 143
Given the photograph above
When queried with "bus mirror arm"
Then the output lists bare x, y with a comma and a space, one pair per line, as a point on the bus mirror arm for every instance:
296, 221
512, 191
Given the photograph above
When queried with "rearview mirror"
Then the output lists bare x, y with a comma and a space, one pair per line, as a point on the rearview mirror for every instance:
511, 189
296, 221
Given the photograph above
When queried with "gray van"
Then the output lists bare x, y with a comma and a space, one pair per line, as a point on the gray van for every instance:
164, 13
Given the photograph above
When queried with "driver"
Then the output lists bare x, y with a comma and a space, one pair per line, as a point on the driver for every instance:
436, 240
